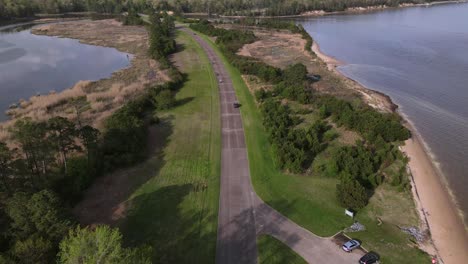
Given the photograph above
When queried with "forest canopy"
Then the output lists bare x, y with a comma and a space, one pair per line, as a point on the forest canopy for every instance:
27, 8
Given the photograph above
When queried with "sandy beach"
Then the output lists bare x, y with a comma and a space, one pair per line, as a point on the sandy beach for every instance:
437, 208
448, 232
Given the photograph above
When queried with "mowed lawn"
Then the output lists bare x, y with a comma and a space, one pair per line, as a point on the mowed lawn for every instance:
176, 210
273, 251
311, 202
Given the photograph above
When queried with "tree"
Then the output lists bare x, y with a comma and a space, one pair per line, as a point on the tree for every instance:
89, 137
33, 251
164, 99
30, 137
41, 214
6, 159
351, 194
162, 41
62, 134
295, 74
101, 245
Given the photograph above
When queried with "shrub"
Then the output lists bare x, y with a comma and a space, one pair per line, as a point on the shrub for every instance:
164, 100
351, 194
124, 139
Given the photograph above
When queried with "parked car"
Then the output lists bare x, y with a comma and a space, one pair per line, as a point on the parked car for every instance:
350, 245
369, 258
237, 105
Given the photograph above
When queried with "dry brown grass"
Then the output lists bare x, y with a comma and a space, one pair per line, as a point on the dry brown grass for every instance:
254, 83
281, 48
105, 96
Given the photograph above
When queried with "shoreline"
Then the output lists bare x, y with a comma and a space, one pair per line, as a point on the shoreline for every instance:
375, 99
353, 10
103, 96
433, 200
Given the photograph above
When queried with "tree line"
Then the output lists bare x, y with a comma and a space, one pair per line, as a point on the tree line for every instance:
360, 167
47, 165
27, 8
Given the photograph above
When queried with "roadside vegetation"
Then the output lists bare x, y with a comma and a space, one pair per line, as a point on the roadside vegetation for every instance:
176, 209
273, 251
47, 165
304, 164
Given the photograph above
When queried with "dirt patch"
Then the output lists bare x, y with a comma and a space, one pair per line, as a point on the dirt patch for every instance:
254, 83
105, 202
281, 48
101, 98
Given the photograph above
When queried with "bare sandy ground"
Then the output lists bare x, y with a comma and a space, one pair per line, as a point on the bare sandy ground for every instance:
448, 232
281, 48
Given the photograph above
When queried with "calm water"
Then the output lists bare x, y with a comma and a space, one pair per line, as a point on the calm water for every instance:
31, 64
419, 57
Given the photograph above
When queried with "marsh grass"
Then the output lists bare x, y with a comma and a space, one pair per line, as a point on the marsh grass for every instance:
102, 97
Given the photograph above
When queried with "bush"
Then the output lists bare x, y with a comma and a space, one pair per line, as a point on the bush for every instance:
124, 139
132, 18
365, 120
164, 100
101, 245
81, 173
351, 194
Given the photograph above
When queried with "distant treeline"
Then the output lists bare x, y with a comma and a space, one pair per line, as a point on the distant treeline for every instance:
27, 8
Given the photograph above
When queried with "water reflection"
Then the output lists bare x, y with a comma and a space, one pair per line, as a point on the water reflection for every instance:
31, 64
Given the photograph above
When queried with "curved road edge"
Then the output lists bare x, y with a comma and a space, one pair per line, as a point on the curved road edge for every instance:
242, 214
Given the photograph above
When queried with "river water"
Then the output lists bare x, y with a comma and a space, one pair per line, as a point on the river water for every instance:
419, 57
31, 64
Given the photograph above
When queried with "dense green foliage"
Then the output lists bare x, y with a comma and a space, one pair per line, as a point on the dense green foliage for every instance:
230, 41
101, 245
132, 18
36, 223
370, 123
124, 141
27, 8
294, 148
162, 41
351, 194
278, 7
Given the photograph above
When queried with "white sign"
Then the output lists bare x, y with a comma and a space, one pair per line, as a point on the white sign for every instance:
349, 213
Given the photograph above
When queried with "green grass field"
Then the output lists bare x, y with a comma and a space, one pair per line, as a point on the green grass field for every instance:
310, 201
273, 251
175, 211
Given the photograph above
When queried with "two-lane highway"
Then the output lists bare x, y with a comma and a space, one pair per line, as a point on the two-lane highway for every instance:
242, 214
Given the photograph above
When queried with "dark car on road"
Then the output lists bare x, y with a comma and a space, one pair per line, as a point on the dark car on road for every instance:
369, 258
236, 105
350, 245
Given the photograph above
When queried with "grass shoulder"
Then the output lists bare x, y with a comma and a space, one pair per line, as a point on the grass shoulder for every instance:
175, 211
273, 251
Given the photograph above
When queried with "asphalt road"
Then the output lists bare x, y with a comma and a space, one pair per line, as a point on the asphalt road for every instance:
242, 214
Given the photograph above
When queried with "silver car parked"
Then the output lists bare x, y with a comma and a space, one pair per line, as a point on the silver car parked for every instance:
350, 245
